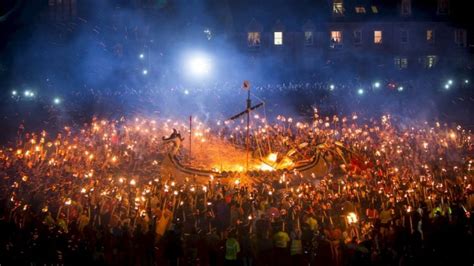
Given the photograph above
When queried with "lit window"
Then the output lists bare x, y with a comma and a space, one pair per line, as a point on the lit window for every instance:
430, 36
401, 62
308, 38
337, 7
357, 37
406, 7
443, 7
360, 9
278, 38
430, 61
375, 10
336, 38
378, 37
253, 39
404, 36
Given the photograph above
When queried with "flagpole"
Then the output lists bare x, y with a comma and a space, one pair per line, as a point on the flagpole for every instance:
249, 106
246, 86
190, 135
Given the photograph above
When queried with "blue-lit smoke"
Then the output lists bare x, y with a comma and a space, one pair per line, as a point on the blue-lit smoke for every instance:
115, 59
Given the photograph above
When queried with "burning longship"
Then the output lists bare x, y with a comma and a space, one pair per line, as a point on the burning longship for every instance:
219, 158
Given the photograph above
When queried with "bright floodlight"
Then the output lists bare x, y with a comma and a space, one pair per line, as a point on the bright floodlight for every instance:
377, 84
466, 81
400, 88
450, 82
29, 93
446, 86
57, 100
186, 92
14, 93
198, 65
141, 56
145, 72
332, 87
360, 91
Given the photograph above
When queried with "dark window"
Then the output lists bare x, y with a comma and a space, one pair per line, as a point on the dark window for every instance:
357, 37
406, 7
443, 7
401, 62
460, 37
404, 36
308, 38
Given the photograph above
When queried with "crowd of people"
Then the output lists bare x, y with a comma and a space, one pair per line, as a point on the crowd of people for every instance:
399, 194
387, 190
222, 99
